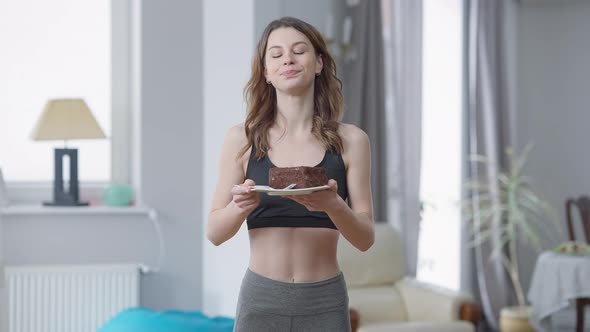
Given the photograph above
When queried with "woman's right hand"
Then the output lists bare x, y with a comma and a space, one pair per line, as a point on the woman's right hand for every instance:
243, 198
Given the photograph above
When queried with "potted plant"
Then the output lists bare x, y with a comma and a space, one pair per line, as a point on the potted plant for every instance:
505, 210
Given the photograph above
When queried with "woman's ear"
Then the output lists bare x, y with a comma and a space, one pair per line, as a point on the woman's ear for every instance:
266, 76
319, 65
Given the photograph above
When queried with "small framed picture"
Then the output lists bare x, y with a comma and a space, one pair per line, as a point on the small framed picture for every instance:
3, 196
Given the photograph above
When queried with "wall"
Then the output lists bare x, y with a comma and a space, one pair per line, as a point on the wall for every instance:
3, 290
171, 155
170, 170
312, 11
553, 102
226, 61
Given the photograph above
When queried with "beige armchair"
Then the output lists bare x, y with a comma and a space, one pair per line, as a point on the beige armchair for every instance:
382, 298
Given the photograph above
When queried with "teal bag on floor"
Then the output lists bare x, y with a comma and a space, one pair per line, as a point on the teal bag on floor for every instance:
146, 320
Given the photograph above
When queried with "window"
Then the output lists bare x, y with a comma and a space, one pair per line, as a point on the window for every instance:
53, 49
439, 252
67, 48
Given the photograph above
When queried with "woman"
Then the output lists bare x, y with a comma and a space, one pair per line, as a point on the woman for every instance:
293, 282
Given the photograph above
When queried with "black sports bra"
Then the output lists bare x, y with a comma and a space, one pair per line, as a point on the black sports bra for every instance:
277, 211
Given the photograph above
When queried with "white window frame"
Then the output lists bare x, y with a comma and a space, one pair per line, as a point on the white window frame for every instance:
125, 106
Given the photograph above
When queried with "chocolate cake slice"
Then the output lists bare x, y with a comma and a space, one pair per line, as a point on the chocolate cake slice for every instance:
302, 176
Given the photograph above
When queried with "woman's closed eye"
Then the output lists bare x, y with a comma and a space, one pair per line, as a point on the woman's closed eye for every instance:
276, 56
300, 49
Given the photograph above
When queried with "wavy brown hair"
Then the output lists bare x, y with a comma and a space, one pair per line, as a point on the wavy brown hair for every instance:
261, 97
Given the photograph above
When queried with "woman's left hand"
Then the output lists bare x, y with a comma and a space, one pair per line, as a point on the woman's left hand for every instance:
320, 201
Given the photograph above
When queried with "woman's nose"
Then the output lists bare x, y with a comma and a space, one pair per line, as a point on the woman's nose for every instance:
288, 58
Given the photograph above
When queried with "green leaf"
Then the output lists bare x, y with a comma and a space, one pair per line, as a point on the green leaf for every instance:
521, 159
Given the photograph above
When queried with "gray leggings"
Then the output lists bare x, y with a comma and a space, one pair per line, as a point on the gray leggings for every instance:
267, 305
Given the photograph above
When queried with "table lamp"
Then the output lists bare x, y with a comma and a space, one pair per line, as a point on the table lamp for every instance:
66, 119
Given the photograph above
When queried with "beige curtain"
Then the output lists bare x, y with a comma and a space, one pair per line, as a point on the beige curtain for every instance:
490, 119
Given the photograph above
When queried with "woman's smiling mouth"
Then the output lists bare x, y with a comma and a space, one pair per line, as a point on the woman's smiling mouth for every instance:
290, 73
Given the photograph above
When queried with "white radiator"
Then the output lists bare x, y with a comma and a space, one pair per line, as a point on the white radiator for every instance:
69, 298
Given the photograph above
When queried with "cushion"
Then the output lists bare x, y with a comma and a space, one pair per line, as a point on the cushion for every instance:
146, 320
377, 304
380, 265
419, 327
429, 302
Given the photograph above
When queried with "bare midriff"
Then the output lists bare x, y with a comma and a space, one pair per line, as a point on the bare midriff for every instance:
294, 254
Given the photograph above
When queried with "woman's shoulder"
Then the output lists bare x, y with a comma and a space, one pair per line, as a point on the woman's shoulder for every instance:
355, 143
236, 135
351, 134
235, 140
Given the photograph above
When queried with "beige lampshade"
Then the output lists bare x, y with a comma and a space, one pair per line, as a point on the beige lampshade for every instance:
66, 119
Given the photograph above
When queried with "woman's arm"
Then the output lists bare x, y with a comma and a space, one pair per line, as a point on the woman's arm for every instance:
231, 204
355, 219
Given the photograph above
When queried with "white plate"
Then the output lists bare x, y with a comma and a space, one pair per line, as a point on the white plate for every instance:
283, 192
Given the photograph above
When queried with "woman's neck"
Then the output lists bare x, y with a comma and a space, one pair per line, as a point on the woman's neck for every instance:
295, 113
